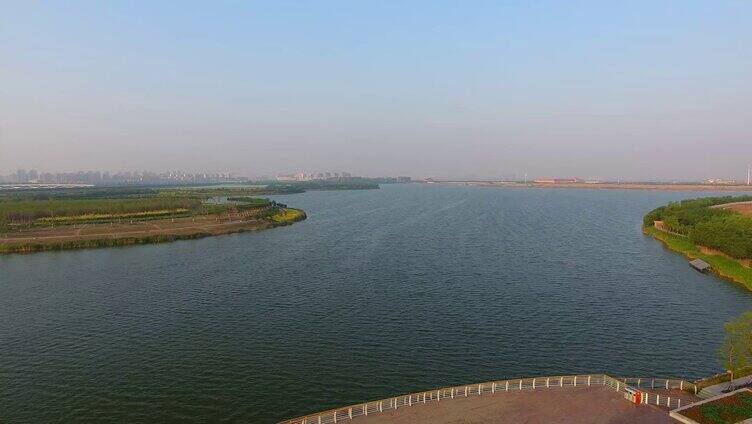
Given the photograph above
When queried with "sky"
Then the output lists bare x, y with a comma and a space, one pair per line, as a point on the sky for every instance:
639, 90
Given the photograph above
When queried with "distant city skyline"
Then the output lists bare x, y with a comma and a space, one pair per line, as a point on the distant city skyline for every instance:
637, 90
180, 176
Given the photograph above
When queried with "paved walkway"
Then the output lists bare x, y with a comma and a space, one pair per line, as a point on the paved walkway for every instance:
718, 389
595, 404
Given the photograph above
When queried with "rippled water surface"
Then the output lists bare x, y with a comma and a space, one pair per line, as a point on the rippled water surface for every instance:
379, 292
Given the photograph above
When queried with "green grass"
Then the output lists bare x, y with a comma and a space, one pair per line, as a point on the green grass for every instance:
740, 410
288, 215
250, 201
28, 211
723, 266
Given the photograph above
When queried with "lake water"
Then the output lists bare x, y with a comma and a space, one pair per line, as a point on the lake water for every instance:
377, 293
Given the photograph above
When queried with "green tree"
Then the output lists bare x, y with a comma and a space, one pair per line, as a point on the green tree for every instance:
736, 351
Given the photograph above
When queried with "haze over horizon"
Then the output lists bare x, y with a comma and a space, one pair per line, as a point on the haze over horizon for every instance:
637, 91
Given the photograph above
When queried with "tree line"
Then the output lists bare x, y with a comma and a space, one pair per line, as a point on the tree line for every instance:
721, 229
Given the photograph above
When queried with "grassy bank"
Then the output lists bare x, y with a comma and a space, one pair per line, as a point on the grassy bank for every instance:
288, 216
724, 267
722, 378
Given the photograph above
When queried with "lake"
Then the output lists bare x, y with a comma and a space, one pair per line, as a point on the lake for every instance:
377, 293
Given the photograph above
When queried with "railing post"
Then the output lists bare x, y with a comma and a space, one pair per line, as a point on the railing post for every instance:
658, 399
438, 396
319, 419
681, 384
349, 413
381, 406
410, 403
452, 392
507, 386
667, 384
638, 382
479, 388
668, 402
465, 391
561, 381
365, 409
547, 382
679, 404
533, 383
520, 384
588, 380
493, 388
575, 381
335, 416
652, 383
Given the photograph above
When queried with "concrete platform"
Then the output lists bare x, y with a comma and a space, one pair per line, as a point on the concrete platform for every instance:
595, 404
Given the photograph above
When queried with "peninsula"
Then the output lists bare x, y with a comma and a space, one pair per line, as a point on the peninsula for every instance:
100, 217
717, 230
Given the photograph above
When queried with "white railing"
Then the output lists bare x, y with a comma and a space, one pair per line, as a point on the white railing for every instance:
444, 394
662, 400
648, 398
660, 383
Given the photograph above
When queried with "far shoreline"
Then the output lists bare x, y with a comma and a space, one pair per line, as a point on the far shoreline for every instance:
607, 186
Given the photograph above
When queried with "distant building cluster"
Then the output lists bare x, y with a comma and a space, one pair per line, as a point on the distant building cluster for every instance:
32, 176
557, 180
305, 176
721, 181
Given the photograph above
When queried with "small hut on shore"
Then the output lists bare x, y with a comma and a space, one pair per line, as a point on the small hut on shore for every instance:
699, 265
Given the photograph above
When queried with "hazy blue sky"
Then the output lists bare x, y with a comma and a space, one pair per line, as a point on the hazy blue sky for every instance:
640, 90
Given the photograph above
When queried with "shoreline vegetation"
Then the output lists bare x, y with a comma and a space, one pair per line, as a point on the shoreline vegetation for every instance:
103, 217
717, 230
